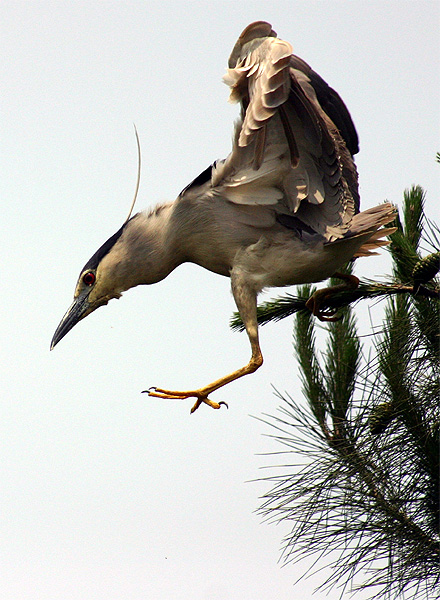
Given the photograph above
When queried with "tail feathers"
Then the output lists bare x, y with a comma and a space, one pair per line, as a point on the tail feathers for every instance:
373, 218
372, 222
367, 229
375, 242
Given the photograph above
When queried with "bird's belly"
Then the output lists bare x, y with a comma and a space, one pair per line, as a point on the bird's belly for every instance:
287, 261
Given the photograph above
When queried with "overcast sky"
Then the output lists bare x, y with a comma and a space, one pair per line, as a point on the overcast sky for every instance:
107, 494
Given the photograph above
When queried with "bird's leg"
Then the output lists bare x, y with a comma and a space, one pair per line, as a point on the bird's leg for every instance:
319, 298
202, 394
247, 304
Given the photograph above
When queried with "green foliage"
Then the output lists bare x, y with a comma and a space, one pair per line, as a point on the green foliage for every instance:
360, 485
405, 241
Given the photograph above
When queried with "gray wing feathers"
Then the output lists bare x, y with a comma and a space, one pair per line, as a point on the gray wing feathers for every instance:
287, 152
266, 70
236, 179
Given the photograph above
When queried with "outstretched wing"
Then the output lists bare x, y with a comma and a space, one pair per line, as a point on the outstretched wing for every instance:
293, 145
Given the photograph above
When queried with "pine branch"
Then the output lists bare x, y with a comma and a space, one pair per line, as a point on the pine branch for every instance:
311, 373
413, 274
365, 481
285, 306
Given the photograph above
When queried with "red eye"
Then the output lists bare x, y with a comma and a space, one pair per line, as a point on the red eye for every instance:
89, 278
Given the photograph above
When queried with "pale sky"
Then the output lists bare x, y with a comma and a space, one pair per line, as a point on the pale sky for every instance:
107, 494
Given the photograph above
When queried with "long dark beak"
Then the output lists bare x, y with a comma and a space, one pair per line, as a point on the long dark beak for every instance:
79, 309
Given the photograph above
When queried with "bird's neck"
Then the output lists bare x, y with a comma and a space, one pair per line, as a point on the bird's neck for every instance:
152, 248
154, 243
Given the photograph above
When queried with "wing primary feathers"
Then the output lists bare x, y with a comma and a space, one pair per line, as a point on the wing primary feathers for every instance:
332, 104
306, 113
259, 29
260, 146
293, 146
290, 137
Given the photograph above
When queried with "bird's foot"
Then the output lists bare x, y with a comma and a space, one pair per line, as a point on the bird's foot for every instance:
320, 297
200, 395
315, 302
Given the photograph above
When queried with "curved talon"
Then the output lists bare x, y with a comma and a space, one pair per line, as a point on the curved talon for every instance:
207, 401
328, 315
314, 303
319, 298
322, 317
173, 395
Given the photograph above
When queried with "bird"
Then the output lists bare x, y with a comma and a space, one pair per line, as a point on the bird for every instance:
281, 209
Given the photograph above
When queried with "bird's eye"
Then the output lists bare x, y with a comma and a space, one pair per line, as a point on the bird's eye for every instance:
89, 278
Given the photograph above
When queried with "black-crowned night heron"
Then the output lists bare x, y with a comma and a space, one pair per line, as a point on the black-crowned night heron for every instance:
281, 209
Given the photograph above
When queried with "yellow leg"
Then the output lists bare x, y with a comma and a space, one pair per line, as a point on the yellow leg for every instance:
202, 394
315, 302
246, 299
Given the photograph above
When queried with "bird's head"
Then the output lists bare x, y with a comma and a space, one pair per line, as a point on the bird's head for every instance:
110, 271
100, 280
